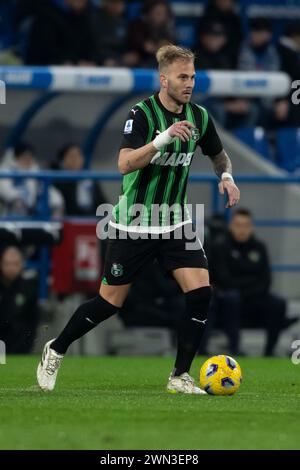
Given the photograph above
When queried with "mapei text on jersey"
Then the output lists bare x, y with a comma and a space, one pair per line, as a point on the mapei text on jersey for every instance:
172, 158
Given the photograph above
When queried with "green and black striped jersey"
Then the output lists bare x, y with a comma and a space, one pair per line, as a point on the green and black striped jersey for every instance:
148, 193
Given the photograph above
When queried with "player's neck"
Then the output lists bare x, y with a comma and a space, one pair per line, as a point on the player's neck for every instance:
169, 103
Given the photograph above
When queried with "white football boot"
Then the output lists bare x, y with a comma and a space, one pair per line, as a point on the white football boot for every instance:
183, 383
48, 367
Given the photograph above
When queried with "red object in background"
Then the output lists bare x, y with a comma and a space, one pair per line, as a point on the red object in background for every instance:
76, 265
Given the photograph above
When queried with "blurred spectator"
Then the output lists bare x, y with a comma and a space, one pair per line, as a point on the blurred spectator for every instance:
18, 304
241, 277
81, 197
224, 12
26, 12
61, 34
234, 112
259, 55
20, 197
147, 34
6, 24
109, 31
211, 47
285, 112
212, 54
258, 52
289, 50
8, 54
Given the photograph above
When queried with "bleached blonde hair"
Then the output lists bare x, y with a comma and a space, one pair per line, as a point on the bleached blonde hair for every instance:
166, 55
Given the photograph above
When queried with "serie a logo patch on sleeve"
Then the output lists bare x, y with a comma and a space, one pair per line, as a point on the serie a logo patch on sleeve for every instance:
128, 126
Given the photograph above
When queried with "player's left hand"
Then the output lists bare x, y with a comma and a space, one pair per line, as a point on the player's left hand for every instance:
232, 190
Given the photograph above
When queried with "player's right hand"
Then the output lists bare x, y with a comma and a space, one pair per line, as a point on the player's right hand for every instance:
181, 129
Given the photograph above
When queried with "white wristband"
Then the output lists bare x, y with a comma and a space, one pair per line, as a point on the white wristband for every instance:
226, 175
162, 139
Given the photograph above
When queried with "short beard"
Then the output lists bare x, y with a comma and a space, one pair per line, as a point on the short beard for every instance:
179, 103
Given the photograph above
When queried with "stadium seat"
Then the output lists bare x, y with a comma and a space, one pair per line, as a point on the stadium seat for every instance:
256, 139
288, 148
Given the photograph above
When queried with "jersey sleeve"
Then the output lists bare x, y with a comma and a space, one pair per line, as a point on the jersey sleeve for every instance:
135, 130
210, 143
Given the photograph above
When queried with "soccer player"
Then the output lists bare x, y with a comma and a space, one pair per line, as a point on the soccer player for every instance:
161, 134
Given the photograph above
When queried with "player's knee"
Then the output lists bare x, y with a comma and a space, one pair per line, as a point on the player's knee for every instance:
98, 309
197, 303
115, 295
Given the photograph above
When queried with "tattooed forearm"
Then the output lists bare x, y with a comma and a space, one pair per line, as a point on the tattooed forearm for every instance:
221, 163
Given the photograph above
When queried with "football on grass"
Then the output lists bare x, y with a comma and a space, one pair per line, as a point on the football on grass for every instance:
220, 375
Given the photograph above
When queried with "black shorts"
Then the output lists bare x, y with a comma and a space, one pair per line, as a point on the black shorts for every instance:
125, 258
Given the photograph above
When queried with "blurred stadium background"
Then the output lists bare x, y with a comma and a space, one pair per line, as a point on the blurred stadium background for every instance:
72, 70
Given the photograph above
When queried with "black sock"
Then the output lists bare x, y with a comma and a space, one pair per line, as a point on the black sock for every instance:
191, 328
86, 317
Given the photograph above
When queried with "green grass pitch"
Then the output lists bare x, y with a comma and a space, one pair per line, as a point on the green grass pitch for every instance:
121, 403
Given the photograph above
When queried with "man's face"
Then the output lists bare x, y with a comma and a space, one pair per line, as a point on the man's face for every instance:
77, 5
213, 42
159, 15
224, 5
241, 228
260, 38
114, 7
73, 159
11, 265
25, 161
178, 79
